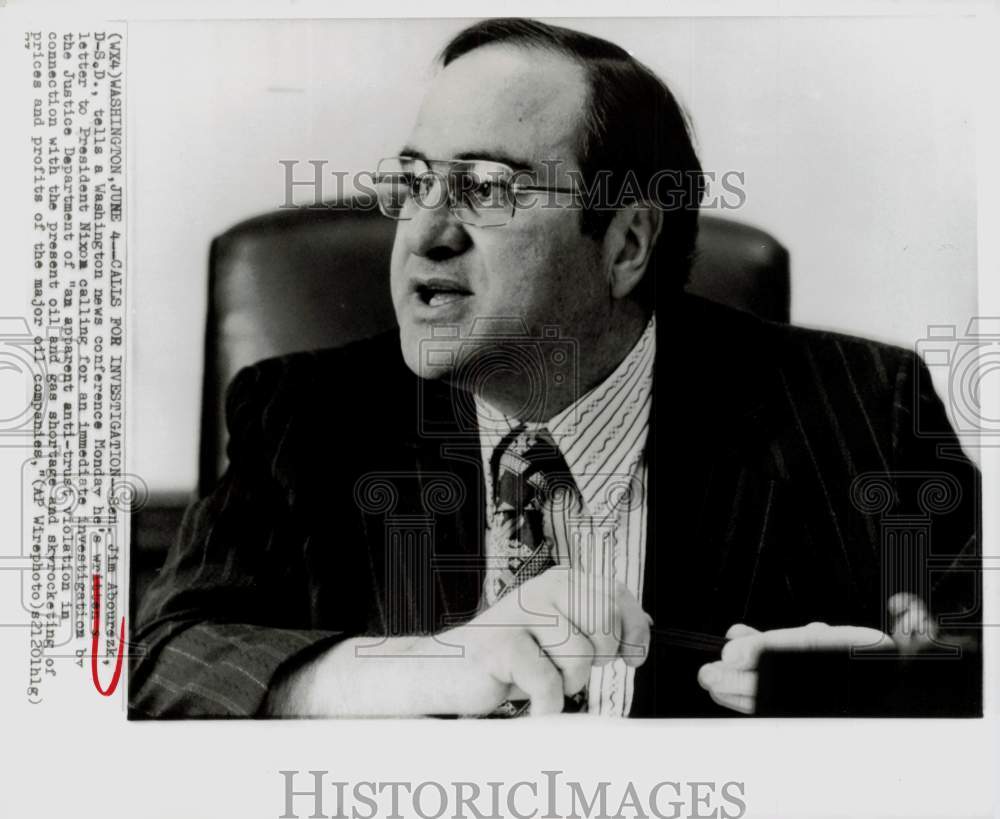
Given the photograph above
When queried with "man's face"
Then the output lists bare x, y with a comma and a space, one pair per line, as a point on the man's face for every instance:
499, 102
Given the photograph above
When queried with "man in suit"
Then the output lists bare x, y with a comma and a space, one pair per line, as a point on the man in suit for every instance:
562, 484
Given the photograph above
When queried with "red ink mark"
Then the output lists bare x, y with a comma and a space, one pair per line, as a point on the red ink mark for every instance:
93, 645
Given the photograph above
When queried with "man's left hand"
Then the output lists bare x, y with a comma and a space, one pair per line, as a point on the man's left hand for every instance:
732, 680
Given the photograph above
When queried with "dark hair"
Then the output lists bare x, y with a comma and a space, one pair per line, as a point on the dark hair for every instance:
633, 129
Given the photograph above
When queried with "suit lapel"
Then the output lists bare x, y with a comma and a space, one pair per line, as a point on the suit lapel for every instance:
451, 486
713, 493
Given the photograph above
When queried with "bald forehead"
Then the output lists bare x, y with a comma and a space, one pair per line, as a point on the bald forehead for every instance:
525, 102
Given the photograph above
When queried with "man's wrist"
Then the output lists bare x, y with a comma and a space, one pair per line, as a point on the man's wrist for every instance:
364, 677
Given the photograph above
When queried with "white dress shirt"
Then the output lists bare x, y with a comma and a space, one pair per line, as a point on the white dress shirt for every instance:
602, 437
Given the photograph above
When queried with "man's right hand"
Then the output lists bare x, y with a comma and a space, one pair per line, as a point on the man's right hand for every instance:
538, 643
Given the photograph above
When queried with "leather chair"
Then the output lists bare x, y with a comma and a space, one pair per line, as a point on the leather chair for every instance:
298, 279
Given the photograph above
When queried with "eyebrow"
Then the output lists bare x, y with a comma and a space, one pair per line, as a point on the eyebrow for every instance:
516, 163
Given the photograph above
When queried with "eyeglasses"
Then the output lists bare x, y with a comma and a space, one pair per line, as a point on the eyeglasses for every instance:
478, 192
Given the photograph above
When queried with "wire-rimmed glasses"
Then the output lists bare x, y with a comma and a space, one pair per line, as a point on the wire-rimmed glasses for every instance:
478, 192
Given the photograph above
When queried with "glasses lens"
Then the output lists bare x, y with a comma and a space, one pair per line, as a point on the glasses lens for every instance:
396, 181
478, 192
481, 193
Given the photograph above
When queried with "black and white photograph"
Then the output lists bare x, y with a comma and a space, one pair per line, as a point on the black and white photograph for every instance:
525, 425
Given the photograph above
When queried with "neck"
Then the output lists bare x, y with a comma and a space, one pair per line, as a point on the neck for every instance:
548, 384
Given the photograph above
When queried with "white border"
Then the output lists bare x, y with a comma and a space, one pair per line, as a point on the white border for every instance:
74, 764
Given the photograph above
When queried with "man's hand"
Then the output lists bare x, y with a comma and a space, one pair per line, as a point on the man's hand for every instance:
732, 681
538, 643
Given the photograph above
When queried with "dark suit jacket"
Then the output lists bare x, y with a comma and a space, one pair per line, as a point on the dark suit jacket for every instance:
794, 476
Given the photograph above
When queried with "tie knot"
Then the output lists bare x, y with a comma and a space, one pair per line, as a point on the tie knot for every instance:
527, 466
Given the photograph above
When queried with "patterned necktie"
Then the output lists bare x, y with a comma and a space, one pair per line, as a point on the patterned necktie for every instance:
526, 468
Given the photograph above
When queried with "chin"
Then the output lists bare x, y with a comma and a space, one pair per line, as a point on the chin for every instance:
428, 357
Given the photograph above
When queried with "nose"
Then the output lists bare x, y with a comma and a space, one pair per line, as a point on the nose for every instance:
433, 231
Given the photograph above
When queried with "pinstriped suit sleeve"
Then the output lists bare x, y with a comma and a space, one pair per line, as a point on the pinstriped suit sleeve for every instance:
925, 445
219, 621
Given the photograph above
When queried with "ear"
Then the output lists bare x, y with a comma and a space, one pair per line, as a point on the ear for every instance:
632, 235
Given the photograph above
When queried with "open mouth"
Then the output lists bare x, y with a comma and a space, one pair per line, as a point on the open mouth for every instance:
439, 293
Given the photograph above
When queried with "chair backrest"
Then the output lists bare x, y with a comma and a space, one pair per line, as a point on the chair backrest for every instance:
301, 279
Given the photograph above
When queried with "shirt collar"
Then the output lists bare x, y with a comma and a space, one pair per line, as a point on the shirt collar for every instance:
602, 435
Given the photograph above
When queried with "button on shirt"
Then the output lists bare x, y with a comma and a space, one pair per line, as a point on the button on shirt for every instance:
602, 437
